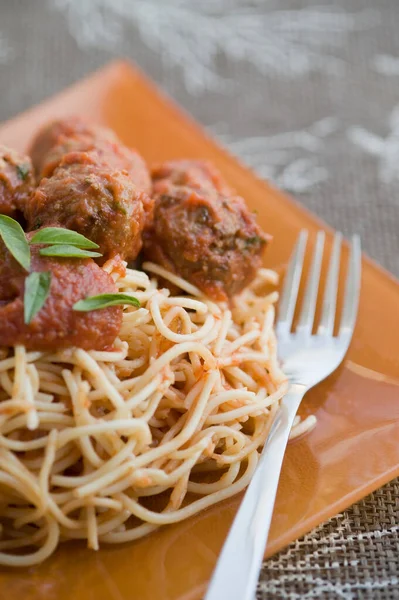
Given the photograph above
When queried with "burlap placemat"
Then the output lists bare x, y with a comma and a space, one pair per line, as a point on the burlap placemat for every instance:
306, 92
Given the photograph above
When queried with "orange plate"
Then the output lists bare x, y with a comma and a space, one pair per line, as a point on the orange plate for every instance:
352, 451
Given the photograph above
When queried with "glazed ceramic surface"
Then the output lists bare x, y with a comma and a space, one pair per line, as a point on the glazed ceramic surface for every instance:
354, 448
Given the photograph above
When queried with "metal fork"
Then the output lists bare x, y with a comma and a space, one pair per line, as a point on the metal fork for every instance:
306, 359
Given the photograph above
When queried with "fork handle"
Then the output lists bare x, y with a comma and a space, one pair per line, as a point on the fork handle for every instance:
237, 570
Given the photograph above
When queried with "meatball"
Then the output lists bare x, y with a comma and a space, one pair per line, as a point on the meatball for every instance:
93, 199
194, 174
16, 182
202, 234
76, 135
57, 325
111, 153
57, 131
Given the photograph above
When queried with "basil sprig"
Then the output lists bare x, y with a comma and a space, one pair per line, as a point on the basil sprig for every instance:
60, 242
63, 243
104, 301
67, 251
37, 288
61, 236
15, 241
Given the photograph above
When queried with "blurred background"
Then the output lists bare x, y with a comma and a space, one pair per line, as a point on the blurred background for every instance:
304, 91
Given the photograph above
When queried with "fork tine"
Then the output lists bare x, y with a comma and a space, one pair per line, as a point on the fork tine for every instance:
330, 293
352, 288
309, 302
291, 282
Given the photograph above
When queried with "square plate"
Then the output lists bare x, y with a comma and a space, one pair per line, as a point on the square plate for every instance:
354, 448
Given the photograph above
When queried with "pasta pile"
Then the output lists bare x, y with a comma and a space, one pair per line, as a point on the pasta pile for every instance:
108, 446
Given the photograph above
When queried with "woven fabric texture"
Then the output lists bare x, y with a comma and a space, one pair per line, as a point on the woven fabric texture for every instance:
307, 93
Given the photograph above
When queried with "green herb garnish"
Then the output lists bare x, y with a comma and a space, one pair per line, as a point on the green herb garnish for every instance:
37, 287
15, 241
23, 170
67, 251
251, 241
104, 301
61, 236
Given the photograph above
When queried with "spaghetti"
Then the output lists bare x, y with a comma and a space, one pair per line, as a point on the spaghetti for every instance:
108, 446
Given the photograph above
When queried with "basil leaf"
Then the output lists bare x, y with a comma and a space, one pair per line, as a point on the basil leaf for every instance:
105, 300
59, 235
14, 238
37, 287
68, 252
